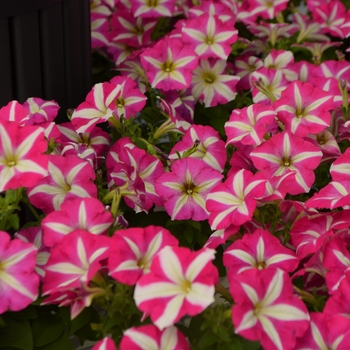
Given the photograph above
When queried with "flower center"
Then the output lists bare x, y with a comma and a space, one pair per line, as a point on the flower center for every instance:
260, 265
287, 162
186, 286
189, 188
300, 112
321, 139
85, 140
168, 66
120, 103
209, 78
152, 3
11, 163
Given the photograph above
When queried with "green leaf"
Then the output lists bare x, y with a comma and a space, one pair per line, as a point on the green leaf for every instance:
80, 321
62, 343
46, 330
27, 313
233, 344
16, 334
208, 339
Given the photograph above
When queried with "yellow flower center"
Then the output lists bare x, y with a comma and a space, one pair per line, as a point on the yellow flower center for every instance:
209, 78
186, 286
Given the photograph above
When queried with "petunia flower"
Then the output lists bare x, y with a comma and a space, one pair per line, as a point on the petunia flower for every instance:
181, 282
22, 158
169, 64
19, 284
265, 308
184, 190
132, 251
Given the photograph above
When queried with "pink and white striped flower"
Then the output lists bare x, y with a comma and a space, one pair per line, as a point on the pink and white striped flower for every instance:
74, 260
325, 332
22, 162
169, 64
135, 32
245, 66
282, 60
266, 8
105, 344
97, 108
34, 235
96, 139
132, 251
249, 124
221, 236
209, 36
331, 16
181, 282
210, 83
87, 214
336, 261
286, 152
340, 168
234, 201
259, 250
265, 308
19, 284
184, 190
272, 80
304, 108
14, 112
334, 195
152, 8
69, 177
130, 101
41, 111
206, 145
150, 337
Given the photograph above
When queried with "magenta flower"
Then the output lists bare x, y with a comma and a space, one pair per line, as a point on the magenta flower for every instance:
249, 124
135, 32
304, 108
208, 146
41, 111
181, 282
340, 168
259, 250
265, 308
211, 85
97, 108
74, 260
169, 64
87, 214
245, 66
130, 101
286, 152
334, 195
326, 332
151, 9
105, 344
209, 36
336, 262
69, 177
22, 162
151, 338
234, 201
19, 284
34, 235
14, 112
266, 8
132, 251
271, 79
184, 190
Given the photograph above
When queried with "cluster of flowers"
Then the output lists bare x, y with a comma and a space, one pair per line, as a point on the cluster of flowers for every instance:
264, 197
